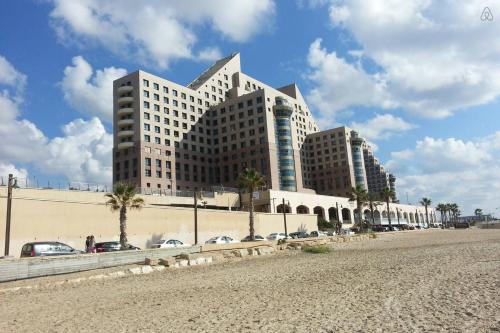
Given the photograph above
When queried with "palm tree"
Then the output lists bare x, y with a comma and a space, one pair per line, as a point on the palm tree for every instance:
372, 198
387, 195
122, 198
478, 212
359, 195
249, 181
426, 202
455, 211
441, 208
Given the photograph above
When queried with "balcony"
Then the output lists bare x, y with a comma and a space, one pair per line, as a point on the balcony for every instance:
125, 133
125, 89
125, 122
125, 100
124, 145
125, 111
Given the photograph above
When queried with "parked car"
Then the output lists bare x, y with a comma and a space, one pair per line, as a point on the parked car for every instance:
317, 234
380, 228
221, 240
462, 225
347, 232
299, 234
277, 236
257, 238
330, 233
393, 228
112, 247
169, 243
43, 249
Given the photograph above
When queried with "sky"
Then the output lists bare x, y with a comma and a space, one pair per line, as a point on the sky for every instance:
419, 79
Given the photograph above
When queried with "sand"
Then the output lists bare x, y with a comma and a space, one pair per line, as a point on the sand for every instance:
418, 281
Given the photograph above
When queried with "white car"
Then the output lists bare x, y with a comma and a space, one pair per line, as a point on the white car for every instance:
169, 243
277, 236
318, 234
221, 240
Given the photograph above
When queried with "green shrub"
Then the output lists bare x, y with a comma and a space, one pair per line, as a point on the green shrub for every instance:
317, 249
324, 224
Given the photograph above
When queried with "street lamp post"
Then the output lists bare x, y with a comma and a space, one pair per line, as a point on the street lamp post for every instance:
9, 208
284, 218
195, 219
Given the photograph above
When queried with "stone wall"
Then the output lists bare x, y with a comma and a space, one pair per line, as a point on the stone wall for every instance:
69, 216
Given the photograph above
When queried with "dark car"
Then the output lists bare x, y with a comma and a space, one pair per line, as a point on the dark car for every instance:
112, 247
257, 238
462, 225
380, 228
299, 234
43, 249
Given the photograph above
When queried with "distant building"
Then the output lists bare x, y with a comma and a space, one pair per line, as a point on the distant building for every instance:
169, 137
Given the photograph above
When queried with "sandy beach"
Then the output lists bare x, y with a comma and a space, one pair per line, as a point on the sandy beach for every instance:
421, 281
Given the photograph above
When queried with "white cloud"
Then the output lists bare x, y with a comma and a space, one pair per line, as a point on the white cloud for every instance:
8, 168
340, 85
88, 92
10, 76
209, 54
82, 154
157, 32
451, 170
382, 126
433, 57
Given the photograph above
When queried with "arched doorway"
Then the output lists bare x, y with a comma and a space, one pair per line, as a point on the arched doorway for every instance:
302, 209
405, 216
319, 211
346, 215
368, 215
376, 215
279, 209
333, 214
412, 218
384, 214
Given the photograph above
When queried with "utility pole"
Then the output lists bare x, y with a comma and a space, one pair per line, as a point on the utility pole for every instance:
9, 207
195, 219
284, 218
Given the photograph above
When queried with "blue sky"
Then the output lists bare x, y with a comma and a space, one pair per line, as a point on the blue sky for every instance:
419, 79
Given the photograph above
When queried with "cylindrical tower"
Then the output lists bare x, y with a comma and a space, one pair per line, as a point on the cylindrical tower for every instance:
286, 162
357, 160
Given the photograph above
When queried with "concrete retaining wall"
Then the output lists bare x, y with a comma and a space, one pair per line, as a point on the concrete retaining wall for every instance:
70, 216
15, 269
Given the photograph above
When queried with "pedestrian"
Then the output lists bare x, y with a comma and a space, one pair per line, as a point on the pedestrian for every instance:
92, 244
87, 245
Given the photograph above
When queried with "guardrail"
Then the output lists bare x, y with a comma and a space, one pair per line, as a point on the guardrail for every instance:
25, 268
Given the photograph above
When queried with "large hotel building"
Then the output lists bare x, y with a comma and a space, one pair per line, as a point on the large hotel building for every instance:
168, 137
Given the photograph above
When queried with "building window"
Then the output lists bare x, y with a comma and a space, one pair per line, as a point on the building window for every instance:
146, 105
145, 93
156, 86
145, 83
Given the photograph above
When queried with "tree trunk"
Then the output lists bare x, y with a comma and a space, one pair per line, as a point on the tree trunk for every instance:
371, 212
123, 228
388, 213
250, 210
426, 216
359, 217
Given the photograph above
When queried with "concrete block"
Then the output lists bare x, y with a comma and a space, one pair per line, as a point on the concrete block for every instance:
168, 261
135, 270
158, 268
240, 253
176, 265
208, 260
183, 263
193, 262
147, 269
116, 274
252, 252
151, 261
201, 261
97, 277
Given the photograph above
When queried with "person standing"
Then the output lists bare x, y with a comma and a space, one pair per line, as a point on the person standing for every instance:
87, 245
92, 244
